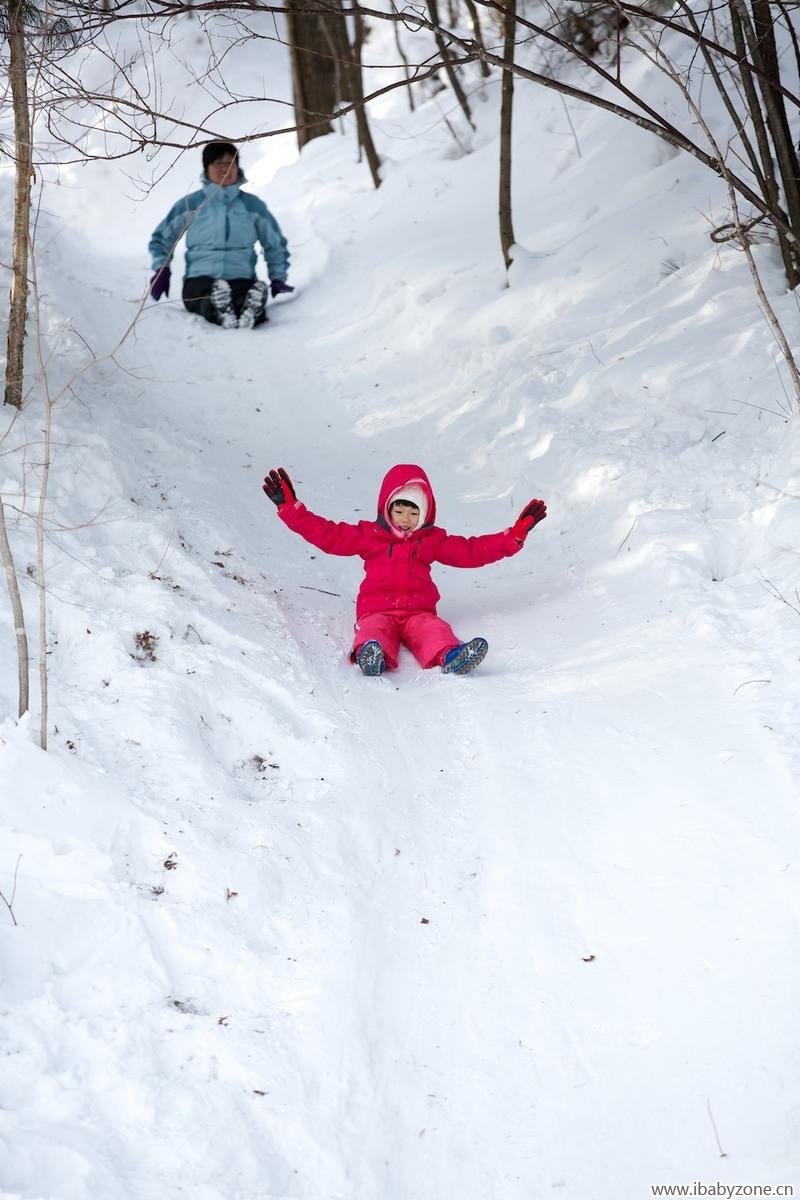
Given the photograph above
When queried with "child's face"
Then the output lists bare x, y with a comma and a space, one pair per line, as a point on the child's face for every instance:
404, 515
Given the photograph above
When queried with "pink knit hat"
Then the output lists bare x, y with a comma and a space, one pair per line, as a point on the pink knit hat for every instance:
413, 493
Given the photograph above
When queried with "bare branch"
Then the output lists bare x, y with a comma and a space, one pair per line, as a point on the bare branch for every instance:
10, 903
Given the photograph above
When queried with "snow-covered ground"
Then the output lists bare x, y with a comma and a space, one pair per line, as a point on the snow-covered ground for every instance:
284, 931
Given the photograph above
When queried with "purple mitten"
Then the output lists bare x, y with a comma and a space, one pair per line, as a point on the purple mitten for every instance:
159, 284
279, 286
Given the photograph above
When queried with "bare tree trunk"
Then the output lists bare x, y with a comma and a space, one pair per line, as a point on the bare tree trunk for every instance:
42, 580
18, 614
737, 119
335, 39
313, 71
763, 51
792, 33
18, 304
447, 59
773, 117
769, 186
506, 111
348, 59
364, 132
775, 104
403, 56
23, 152
476, 29
40, 515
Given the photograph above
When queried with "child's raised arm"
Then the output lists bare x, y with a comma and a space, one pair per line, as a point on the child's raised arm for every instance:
456, 551
333, 537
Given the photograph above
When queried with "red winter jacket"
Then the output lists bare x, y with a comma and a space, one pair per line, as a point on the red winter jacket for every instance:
397, 565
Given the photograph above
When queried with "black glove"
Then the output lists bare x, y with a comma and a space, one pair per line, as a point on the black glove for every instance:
279, 286
531, 515
279, 488
159, 284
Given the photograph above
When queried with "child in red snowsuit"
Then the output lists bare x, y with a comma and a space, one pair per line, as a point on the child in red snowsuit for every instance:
397, 599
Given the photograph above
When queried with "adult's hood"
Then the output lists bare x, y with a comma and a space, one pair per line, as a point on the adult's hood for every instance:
396, 480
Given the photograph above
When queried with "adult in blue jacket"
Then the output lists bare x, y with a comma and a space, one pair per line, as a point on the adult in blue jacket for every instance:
222, 225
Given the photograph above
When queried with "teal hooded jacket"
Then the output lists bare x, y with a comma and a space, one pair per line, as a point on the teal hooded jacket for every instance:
222, 226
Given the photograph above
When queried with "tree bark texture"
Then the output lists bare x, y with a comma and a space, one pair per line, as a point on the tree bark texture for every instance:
357, 86
476, 29
346, 56
740, 21
760, 37
23, 153
506, 112
313, 70
403, 57
447, 59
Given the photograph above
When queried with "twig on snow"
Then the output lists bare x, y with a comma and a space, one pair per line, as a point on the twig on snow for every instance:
628, 534
10, 903
306, 587
722, 1153
747, 682
778, 595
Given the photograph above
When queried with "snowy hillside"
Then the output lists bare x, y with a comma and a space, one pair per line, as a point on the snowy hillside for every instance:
286, 931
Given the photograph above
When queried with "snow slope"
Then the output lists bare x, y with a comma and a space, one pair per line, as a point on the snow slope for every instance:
284, 931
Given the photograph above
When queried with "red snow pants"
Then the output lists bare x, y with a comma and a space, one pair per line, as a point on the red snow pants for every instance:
426, 635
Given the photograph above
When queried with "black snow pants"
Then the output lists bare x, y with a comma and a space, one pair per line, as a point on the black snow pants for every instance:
197, 297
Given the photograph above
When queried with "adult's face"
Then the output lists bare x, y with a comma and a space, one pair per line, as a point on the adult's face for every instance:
223, 171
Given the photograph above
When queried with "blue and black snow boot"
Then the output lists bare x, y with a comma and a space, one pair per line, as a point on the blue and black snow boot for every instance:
253, 307
370, 658
221, 299
464, 658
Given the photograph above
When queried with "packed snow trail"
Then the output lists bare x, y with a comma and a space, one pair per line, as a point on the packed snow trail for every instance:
290, 932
